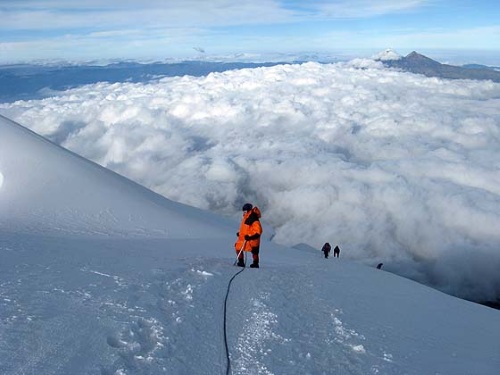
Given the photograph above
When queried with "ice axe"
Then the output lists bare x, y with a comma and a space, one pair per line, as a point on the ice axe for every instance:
239, 253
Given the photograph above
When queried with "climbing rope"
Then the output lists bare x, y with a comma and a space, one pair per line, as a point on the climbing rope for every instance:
228, 367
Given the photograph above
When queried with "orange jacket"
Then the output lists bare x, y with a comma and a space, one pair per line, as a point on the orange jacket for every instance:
250, 227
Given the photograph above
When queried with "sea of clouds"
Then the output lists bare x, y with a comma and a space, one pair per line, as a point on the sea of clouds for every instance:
393, 167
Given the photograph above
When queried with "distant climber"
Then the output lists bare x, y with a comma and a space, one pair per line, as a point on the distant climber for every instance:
326, 249
336, 252
379, 266
249, 235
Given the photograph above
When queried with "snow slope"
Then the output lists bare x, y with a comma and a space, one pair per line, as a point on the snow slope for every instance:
101, 276
48, 189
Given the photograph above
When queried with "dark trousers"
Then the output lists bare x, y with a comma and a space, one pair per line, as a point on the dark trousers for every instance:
255, 254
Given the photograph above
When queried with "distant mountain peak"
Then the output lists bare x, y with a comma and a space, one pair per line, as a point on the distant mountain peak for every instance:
414, 54
416, 63
417, 57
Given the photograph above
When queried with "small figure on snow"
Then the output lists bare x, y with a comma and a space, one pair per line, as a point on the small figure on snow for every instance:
326, 249
379, 266
336, 252
249, 235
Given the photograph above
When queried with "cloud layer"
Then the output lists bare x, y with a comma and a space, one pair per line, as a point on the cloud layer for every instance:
394, 167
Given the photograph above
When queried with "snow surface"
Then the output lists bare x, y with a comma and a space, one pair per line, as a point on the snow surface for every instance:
394, 167
102, 276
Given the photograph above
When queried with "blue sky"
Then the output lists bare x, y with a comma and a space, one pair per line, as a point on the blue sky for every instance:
160, 29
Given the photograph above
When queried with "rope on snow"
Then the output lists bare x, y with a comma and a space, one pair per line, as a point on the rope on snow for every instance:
228, 367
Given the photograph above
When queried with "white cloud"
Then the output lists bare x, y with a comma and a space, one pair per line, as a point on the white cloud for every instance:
33, 14
119, 14
393, 167
130, 29
367, 8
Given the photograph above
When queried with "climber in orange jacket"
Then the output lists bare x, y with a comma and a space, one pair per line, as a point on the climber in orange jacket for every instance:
249, 235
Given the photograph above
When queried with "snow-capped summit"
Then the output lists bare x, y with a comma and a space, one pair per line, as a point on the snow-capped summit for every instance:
387, 55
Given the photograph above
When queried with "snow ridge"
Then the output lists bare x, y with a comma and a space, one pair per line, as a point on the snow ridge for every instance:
102, 303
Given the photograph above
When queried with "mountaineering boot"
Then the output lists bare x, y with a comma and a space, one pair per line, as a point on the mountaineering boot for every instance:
241, 263
254, 265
